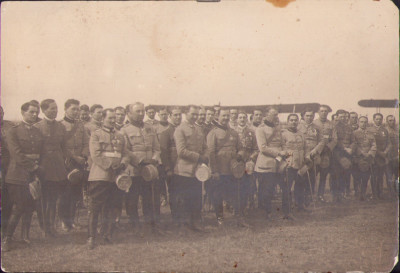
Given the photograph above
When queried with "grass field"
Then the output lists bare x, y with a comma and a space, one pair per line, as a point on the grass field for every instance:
351, 236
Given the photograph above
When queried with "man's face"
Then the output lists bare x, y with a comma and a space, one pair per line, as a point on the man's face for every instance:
209, 115
120, 116
97, 114
234, 114
391, 121
342, 118
223, 117
293, 122
31, 114
51, 112
72, 111
176, 117
363, 123
346, 118
272, 116
308, 117
202, 116
84, 115
353, 118
323, 113
257, 116
151, 113
136, 113
109, 119
378, 120
192, 115
163, 115
242, 119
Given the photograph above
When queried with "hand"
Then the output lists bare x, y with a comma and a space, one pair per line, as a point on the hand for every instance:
203, 159
215, 176
239, 157
119, 167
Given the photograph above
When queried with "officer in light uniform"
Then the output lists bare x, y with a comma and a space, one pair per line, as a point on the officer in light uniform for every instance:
25, 143
144, 148
329, 136
233, 118
393, 155
191, 150
383, 146
94, 124
169, 157
77, 142
314, 146
257, 119
364, 154
224, 146
249, 143
344, 149
110, 158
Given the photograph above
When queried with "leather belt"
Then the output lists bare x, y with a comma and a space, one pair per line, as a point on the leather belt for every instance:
112, 154
33, 156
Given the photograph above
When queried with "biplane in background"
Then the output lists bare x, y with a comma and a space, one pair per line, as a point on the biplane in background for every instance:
378, 104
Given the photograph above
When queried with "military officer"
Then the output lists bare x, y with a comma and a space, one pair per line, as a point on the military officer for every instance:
269, 142
233, 118
77, 143
249, 143
200, 122
294, 145
257, 119
5, 126
353, 120
151, 114
25, 143
208, 125
342, 153
54, 177
169, 156
383, 147
94, 124
120, 115
38, 105
144, 148
393, 155
314, 146
84, 113
224, 146
363, 158
191, 150
328, 133
110, 158
163, 124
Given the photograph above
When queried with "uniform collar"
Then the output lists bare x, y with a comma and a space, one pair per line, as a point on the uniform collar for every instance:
29, 125
200, 125
49, 120
269, 124
67, 119
98, 123
219, 125
108, 130
135, 123
118, 126
189, 124
323, 121
293, 130
164, 123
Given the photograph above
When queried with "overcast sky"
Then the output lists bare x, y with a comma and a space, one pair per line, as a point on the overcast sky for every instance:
234, 52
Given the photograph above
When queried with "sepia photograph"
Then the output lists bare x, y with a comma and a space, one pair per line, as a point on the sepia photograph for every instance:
199, 136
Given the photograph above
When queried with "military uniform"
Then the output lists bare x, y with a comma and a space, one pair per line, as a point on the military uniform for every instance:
233, 124
223, 146
152, 122
383, 146
340, 175
365, 151
393, 155
190, 145
25, 143
54, 177
107, 149
249, 143
328, 133
207, 128
313, 144
92, 126
142, 144
118, 126
160, 128
77, 143
4, 162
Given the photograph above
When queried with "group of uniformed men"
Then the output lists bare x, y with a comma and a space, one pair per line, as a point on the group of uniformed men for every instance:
40, 154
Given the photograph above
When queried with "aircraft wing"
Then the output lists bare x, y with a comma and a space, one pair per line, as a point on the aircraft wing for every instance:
379, 103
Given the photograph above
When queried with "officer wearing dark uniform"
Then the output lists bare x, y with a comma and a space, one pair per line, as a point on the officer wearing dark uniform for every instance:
208, 125
110, 158
5, 161
144, 148
363, 158
95, 119
54, 177
169, 156
24, 143
191, 150
393, 155
342, 156
77, 143
353, 120
224, 146
329, 136
383, 146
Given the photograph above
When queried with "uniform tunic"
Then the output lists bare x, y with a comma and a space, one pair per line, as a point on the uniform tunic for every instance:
269, 141
92, 126
249, 142
77, 141
4, 153
312, 136
168, 148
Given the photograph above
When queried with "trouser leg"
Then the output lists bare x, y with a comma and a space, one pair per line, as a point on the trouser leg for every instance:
132, 200
218, 192
64, 206
323, 173
151, 201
